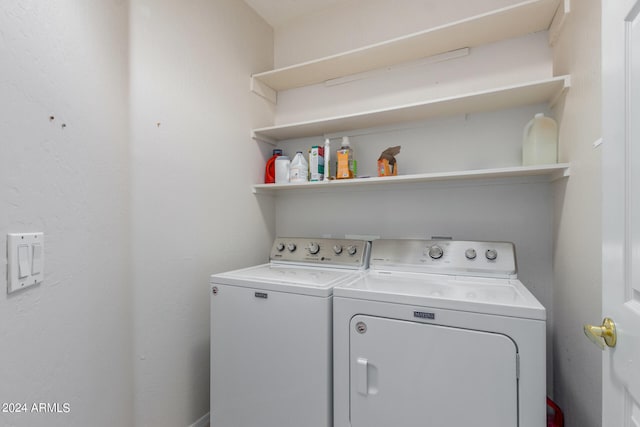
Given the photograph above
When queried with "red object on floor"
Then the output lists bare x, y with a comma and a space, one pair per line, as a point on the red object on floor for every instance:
555, 419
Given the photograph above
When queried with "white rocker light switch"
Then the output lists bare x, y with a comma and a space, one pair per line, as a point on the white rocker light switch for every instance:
25, 259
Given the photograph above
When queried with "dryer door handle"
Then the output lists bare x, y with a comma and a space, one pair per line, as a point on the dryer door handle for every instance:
366, 377
363, 367
362, 380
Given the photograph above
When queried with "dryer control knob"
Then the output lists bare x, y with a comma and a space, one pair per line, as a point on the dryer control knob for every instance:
435, 252
280, 247
314, 248
491, 254
337, 249
351, 250
470, 253
291, 247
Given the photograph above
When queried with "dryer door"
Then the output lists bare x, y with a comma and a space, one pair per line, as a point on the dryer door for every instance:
406, 374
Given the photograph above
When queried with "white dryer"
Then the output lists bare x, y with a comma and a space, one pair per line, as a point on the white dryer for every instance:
439, 334
271, 335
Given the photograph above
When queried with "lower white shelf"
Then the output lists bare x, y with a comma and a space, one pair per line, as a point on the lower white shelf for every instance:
553, 171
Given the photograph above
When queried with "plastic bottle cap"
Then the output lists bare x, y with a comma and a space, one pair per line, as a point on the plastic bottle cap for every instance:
345, 141
277, 151
539, 115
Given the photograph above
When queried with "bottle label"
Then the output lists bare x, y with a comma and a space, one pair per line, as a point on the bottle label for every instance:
316, 163
295, 174
343, 170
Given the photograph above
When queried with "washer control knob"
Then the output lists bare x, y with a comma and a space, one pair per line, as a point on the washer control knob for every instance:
491, 254
435, 252
337, 249
280, 247
314, 248
470, 253
292, 247
352, 249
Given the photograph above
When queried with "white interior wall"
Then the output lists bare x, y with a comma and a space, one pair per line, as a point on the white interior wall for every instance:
455, 143
193, 212
67, 340
577, 238
355, 23
520, 211
504, 63
454, 209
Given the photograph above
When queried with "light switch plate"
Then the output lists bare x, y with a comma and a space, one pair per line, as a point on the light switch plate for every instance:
25, 259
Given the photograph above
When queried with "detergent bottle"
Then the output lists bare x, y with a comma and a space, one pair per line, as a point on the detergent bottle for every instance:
270, 169
346, 165
540, 141
299, 171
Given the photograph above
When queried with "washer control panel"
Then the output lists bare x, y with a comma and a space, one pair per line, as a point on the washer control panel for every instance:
346, 253
454, 257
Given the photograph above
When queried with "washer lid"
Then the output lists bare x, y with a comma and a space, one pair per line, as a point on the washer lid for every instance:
505, 297
287, 278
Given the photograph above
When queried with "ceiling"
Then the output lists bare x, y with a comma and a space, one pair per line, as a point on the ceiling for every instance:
277, 12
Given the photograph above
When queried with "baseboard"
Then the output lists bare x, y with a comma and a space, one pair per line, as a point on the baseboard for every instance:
202, 422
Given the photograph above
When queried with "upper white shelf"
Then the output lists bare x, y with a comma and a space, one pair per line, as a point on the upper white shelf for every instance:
523, 18
536, 92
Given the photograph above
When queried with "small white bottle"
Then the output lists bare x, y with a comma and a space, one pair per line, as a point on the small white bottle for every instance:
282, 169
299, 171
540, 141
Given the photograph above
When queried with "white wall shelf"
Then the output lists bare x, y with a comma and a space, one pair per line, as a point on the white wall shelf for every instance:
523, 18
536, 92
553, 171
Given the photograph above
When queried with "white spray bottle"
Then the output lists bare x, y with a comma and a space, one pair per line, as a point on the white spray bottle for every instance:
327, 159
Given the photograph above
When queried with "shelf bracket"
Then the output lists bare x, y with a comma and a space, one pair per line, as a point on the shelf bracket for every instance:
561, 93
559, 19
564, 173
262, 138
263, 90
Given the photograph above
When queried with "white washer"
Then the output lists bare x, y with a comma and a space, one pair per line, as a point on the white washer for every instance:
439, 333
271, 334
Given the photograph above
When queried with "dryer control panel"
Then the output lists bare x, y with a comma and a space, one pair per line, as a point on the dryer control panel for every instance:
340, 253
452, 257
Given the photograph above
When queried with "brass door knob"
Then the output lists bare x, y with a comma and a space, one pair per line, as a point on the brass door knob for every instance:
601, 335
